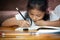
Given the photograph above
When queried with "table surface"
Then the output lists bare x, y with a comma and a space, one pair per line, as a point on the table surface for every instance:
16, 36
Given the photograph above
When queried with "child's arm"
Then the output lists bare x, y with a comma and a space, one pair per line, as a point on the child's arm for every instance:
48, 23
13, 21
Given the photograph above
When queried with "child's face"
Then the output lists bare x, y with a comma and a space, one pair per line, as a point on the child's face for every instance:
36, 15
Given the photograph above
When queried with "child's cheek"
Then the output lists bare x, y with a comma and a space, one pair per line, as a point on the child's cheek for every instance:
30, 16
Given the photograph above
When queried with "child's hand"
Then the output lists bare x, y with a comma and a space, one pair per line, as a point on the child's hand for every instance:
40, 23
23, 23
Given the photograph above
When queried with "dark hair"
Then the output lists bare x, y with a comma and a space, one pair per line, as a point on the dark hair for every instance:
41, 5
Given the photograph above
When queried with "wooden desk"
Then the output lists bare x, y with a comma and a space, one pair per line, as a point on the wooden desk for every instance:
28, 37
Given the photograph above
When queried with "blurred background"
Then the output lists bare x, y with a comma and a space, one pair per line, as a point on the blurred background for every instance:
8, 7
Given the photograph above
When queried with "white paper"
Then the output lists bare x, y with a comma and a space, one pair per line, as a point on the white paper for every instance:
36, 27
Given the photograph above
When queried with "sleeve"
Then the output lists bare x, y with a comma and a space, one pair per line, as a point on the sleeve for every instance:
19, 17
53, 16
57, 10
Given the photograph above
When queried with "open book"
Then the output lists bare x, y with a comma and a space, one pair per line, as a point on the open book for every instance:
37, 28
42, 29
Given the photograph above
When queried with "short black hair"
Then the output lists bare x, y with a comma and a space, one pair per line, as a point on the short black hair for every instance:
42, 5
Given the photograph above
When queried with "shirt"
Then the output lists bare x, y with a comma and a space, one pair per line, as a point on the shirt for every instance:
57, 10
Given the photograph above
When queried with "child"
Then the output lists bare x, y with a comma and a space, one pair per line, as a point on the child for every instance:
37, 14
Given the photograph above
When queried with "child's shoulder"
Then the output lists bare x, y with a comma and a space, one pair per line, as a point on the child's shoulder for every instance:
19, 17
53, 16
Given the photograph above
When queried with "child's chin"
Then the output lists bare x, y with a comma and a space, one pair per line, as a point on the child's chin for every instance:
35, 20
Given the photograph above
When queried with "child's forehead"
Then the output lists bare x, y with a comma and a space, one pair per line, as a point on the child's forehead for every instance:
35, 11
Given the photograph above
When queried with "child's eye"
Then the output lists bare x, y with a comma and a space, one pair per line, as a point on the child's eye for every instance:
38, 15
31, 14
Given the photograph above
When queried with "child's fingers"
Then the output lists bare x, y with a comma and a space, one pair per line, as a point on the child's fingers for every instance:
24, 23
